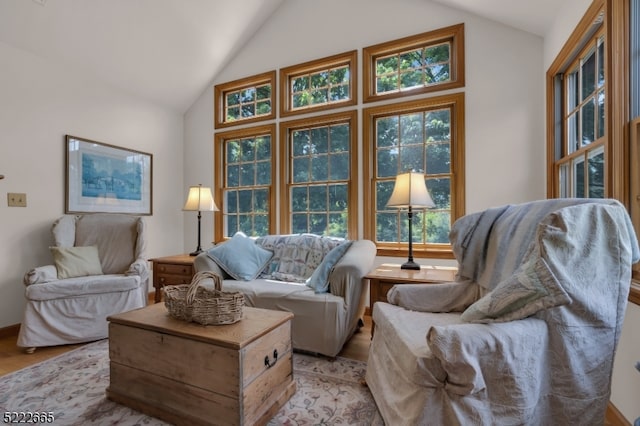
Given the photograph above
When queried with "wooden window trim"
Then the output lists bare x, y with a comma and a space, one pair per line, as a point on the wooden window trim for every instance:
454, 101
635, 202
350, 117
219, 171
618, 152
220, 91
453, 33
286, 74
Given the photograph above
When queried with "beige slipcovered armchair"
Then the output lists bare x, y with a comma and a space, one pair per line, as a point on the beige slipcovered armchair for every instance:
99, 270
528, 331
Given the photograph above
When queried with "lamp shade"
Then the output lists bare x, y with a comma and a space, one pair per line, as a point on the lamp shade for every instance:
200, 199
410, 190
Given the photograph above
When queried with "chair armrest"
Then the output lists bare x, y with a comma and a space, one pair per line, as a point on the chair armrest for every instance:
453, 296
507, 354
345, 278
40, 275
203, 262
139, 267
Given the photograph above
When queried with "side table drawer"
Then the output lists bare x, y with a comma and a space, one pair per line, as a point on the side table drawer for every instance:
164, 279
174, 269
171, 270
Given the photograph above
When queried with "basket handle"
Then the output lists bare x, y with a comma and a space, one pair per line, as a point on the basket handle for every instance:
197, 279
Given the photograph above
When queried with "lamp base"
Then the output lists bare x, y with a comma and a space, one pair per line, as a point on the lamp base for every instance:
195, 253
410, 264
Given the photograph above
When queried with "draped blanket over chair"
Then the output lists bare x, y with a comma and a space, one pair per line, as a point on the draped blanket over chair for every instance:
99, 270
528, 331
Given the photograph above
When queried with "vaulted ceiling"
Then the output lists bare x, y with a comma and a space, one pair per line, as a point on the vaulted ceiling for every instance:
168, 51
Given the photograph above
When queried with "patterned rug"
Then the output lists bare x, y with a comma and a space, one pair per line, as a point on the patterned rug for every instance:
72, 387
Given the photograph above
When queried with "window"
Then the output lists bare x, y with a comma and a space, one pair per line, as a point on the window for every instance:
581, 159
318, 85
426, 136
245, 101
588, 111
635, 200
634, 55
245, 181
417, 64
320, 164
309, 181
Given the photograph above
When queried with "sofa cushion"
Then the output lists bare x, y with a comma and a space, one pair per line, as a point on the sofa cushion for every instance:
319, 280
76, 261
296, 256
240, 257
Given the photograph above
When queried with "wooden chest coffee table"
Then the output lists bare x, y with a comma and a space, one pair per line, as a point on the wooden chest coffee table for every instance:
186, 373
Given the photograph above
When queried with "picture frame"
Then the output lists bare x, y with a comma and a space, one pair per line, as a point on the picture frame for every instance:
104, 178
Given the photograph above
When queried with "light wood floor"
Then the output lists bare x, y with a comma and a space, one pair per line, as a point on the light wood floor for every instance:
13, 358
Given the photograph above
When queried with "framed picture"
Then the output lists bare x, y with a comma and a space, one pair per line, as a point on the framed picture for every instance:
106, 178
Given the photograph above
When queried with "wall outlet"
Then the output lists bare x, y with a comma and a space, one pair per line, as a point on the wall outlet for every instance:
16, 199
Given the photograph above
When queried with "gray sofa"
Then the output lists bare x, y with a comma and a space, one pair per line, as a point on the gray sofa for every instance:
323, 321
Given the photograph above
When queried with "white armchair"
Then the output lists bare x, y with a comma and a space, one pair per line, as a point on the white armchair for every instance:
528, 331
99, 271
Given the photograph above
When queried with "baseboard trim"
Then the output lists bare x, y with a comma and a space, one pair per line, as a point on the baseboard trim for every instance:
9, 331
613, 417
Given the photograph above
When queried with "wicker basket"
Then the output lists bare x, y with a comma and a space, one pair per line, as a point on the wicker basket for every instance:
208, 307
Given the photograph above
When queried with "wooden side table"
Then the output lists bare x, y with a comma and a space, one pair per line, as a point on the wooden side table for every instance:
171, 270
387, 275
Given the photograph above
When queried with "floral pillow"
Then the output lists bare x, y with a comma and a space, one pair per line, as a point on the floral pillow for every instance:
296, 257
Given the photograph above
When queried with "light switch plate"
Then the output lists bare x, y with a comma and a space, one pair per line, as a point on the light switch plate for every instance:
16, 199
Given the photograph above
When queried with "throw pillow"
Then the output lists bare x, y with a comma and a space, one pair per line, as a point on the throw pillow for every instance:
240, 257
527, 291
319, 280
76, 261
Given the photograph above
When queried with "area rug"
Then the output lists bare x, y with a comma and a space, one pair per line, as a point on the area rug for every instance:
72, 387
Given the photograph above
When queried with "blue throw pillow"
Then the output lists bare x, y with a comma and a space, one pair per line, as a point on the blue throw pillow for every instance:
319, 280
240, 257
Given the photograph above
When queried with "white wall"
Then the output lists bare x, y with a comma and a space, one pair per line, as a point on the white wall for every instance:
40, 102
626, 380
566, 20
504, 92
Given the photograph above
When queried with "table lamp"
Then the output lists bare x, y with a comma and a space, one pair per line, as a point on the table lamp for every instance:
410, 191
199, 199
